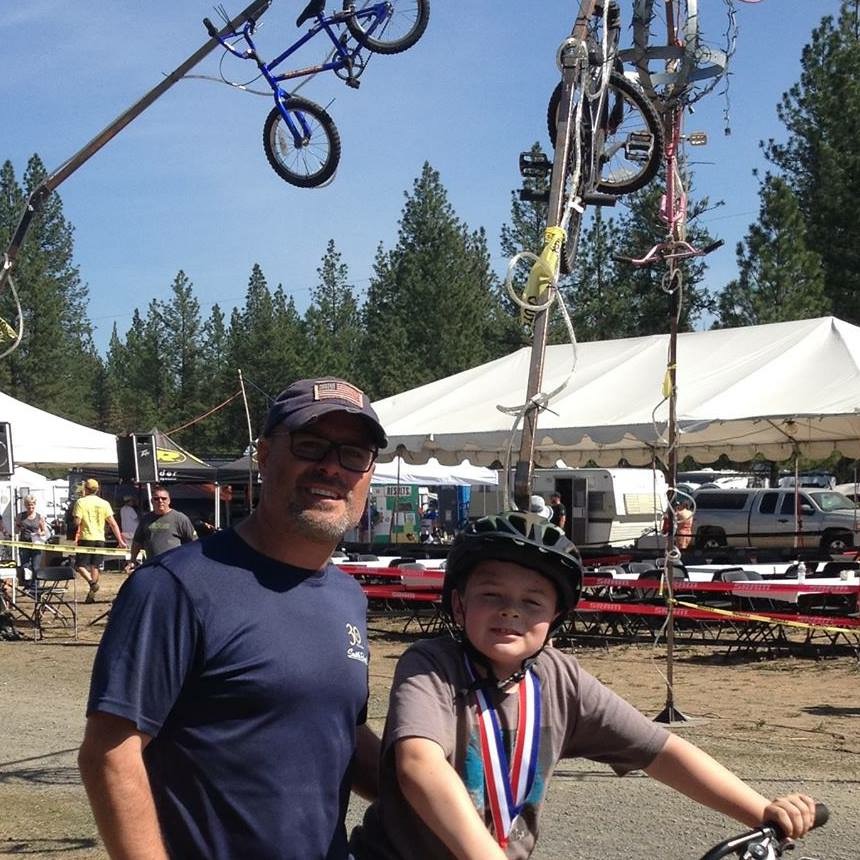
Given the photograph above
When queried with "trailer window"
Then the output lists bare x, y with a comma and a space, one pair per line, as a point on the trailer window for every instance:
639, 503
596, 502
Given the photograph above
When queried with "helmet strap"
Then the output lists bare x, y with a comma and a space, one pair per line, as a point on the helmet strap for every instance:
491, 681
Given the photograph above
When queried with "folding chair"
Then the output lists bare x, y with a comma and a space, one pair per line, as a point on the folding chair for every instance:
51, 607
755, 635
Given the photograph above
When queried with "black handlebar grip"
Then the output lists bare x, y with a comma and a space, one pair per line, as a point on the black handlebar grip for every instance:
822, 813
713, 246
211, 29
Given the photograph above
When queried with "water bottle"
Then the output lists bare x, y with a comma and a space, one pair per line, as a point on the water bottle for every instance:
801, 572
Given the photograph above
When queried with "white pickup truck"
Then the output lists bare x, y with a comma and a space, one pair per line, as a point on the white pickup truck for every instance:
768, 518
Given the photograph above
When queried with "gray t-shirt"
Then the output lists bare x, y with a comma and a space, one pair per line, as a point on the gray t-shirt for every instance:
579, 717
157, 534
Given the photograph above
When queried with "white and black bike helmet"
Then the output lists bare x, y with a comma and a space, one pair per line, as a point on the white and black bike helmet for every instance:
522, 538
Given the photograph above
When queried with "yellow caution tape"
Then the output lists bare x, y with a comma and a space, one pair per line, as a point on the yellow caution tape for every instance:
667, 380
66, 548
767, 619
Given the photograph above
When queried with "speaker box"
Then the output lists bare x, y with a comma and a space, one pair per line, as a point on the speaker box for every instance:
136, 458
125, 458
7, 461
146, 458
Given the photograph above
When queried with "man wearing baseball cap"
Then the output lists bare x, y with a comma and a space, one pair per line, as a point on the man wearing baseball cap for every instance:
91, 513
229, 693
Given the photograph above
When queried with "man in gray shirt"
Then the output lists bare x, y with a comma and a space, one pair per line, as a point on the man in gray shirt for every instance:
162, 528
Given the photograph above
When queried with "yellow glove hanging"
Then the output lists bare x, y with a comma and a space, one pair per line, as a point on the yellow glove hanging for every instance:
543, 272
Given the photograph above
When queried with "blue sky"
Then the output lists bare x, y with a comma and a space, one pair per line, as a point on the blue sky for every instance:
186, 185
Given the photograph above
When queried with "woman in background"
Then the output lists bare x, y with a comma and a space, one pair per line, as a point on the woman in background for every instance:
32, 528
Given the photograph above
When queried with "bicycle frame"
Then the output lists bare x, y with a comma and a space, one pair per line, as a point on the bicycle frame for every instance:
344, 58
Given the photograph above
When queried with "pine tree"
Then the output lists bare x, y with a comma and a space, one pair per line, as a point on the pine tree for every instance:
779, 277
639, 227
333, 320
190, 394
268, 343
597, 297
820, 159
56, 366
385, 365
214, 436
134, 368
432, 297
524, 233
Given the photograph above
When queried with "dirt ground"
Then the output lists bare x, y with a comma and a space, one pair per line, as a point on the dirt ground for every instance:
780, 724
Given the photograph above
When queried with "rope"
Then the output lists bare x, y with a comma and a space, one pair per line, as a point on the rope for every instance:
6, 330
204, 415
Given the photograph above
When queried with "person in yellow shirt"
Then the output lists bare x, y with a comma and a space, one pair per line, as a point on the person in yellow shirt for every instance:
91, 513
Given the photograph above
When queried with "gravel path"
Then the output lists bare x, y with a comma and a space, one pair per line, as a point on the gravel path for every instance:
781, 725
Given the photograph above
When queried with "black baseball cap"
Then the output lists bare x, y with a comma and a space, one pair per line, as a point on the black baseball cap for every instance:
306, 400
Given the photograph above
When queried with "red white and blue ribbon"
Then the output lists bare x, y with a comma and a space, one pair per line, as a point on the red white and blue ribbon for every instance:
508, 785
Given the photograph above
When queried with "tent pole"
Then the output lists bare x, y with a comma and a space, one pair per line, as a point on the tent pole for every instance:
217, 522
250, 445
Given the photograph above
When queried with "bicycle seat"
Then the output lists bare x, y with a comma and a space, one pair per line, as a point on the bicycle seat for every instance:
314, 8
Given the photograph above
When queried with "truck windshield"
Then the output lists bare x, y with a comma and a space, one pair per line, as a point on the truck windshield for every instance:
834, 502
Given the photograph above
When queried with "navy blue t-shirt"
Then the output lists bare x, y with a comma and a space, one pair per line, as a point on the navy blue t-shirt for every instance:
250, 676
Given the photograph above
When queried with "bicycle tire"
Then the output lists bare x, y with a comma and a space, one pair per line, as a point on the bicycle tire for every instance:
412, 14
638, 114
320, 149
570, 246
567, 261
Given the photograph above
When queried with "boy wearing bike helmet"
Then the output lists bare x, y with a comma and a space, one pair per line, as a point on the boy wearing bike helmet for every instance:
477, 724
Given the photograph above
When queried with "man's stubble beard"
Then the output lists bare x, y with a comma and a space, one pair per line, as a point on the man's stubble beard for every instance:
321, 527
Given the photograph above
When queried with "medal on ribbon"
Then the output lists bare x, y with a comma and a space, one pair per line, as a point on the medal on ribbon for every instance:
508, 784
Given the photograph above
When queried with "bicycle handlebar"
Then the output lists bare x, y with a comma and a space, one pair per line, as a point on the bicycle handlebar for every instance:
669, 251
771, 830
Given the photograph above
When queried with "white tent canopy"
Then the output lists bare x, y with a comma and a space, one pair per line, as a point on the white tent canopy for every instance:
40, 439
433, 474
769, 389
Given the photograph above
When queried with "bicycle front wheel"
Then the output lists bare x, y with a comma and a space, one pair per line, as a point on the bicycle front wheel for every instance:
387, 27
306, 155
632, 133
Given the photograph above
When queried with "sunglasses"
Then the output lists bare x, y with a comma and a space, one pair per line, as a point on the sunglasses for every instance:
353, 458
161, 498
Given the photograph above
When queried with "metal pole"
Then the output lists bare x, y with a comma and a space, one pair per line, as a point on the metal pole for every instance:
672, 119
570, 62
250, 445
41, 193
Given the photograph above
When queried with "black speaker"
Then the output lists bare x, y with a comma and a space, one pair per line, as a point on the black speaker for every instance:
136, 458
7, 461
146, 458
125, 458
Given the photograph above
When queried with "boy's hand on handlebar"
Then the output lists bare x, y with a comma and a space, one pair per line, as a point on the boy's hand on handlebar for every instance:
794, 813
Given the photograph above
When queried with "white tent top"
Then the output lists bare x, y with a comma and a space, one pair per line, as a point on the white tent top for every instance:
433, 474
40, 439
770, 389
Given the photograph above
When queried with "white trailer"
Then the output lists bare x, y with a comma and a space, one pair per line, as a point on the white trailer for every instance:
606, 507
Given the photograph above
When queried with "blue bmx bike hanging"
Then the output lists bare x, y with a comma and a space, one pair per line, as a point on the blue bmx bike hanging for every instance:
300, 138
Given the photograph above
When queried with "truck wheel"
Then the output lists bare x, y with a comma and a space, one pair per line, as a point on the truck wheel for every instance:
710, 539
836, 543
